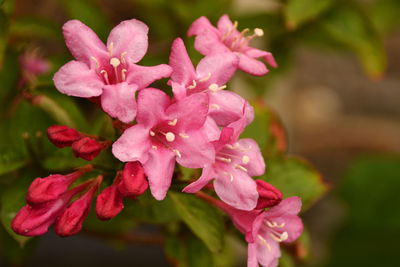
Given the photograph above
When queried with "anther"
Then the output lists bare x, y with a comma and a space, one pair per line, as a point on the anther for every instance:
264, 242
152, 133
115, 62
282, 237
123, 75
215, 87
177, 153
96, 61
245, 159
110, 48
193, 85
170, 137
105, 75
224, 159
237, 166
215, 106
258, 32
173, 123
122, 56
183, 135
154, 147
230, 175
206, 78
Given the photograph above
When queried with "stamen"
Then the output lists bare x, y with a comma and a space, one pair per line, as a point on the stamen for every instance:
183, 135
110, 48
170, 137
96, 61
154, 147
274, 224
264, 242
258, 32
229, 174
224, 159
217, 107
235, 39
233, 147
215, 87
105, 75
282, 237
237, 166
242, 33
245, 159
122, 56
115, 63
152, 133
123, 76
177, 153
206, 78
173, 123
193, 85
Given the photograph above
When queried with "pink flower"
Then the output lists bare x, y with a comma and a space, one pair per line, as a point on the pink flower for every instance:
235, 162
210, 76
87, 148
71, 220
62, 136
164, 133
109, 72
109, 202
227, 39
133, 180
269, 195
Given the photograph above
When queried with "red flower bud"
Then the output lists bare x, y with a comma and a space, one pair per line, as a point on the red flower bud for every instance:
268, 195
71, 220
109, 203
86, 148
133, 180
35, 220
62, 136
51, 187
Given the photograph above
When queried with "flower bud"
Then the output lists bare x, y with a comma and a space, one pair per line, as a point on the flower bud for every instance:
51, 187
71, 220
133, 180
35, 220
109, 203
62, 136
86, 148
268, 195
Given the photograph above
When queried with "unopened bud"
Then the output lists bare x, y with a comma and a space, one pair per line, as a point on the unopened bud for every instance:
86, 148
109, 203
62, 136
268, 195
71, 220
133, 181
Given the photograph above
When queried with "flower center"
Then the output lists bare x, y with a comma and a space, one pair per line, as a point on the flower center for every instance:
229, 155
237, 41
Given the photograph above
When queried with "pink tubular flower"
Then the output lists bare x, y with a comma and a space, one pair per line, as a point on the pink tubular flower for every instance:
235, 162
71, 220
35, 220
109, 202
133, 180
210, 76
52, 187
87, 148
62, 136
164, 133
227, 39
109, 72
269, 195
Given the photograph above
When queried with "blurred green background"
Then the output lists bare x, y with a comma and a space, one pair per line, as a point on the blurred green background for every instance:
337, 92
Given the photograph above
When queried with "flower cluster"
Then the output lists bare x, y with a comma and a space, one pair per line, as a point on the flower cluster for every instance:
199, 127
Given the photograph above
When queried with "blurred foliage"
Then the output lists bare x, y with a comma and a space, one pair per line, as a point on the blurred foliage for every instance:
194, 230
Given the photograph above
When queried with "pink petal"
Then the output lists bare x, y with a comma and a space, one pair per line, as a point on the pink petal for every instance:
211, 129
221, 66
118, 100
236, 188
129, 36
288, 206
179, 90
195, 150
256, 164
294, 228
83, 42
143, 76
225, 24
227, 107
133, 144
191, 111
268, 255
183, 70
151, 106
206, 176
252, 255
76, 79
159, 169
252, 66
256, 53
209, 42
200, 25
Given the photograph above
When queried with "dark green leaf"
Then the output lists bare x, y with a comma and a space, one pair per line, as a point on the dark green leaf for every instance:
298, 12
9, 74
295, 177
4, 30
203, 219
10, 166
198, 254
35, 27
286, 260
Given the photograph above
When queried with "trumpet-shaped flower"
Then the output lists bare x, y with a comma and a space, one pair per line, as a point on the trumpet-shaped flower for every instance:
227, 39
235, 162
210, 76
108, 71
164, 133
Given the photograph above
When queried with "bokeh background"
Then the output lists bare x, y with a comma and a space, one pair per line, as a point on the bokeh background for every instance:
337, 92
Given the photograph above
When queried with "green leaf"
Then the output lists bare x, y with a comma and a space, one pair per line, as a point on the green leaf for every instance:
35, 27
295, 177
350, 27
385, 15
4, 31
286, 260
10, 166
9, 74
12, 200
1, 2
228, 256
203, 219
298, 12
198, 254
